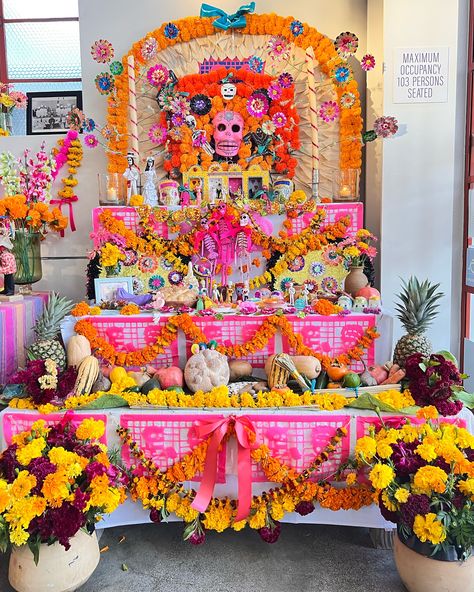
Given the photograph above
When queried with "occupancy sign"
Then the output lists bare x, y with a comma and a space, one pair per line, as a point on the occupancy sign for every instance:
420, 75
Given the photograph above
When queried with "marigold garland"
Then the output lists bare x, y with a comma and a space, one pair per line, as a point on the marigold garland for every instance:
350, 128
264, 333
164, 491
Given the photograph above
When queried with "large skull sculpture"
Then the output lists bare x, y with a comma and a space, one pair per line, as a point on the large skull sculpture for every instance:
228, 131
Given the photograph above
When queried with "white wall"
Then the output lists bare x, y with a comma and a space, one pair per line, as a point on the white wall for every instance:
421, 223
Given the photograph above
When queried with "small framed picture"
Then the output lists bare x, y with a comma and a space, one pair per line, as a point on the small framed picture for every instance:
46, 112
106, 288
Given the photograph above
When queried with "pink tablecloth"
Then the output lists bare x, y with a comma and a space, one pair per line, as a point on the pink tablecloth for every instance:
16, 331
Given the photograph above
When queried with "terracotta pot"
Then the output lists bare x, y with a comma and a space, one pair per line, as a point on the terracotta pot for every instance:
355, 280
58, 570
423, 574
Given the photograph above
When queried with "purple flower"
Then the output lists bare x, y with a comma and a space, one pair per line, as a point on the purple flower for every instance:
405, 459
386, 513
40, 467
9, 463
95, 469
448, 407
285, 80
80, 499
304, 508
416, 504
197, 538
155, 516
269, 534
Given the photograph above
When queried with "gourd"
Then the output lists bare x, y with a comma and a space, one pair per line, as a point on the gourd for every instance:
139, 377
276, 375
239, 368
78, 348
87, 374
309, 366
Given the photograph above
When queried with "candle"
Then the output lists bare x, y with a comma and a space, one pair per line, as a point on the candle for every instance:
313, 112
132, 105
112, 194
345, 191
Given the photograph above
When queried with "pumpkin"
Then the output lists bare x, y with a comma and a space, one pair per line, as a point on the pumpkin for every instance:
78, 348
239, 368
171, 376
205, 370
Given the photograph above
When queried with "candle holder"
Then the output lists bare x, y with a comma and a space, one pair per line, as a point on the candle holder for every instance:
346, 185
112, 189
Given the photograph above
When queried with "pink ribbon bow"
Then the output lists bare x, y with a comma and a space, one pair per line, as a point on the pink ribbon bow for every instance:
69, 201
218, 429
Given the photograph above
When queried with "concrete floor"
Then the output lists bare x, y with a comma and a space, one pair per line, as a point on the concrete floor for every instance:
307, 558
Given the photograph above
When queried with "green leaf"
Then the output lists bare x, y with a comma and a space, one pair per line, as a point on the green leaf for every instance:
34, 545
466, 398
107, 402
369, 401
422, 366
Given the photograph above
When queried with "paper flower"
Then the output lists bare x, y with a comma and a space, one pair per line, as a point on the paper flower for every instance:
278, 47
130, 257
158, 134
297, 264
311, 285
171, 31
102, 51
367, 62
178, 119
285, 284
386, 126
201, 104
175, 278
285, 80
297, 28
329, 284
90, 141
158, 75
116, 68
75, 119
147, 263
268, 127
329, 111
149, 48
106, 132
331, 256
257, 105
88, 125
274, 92
256, 64
104, 83
346, 43
341, 74
156, 282
316, 268
347, 100
176, 134
180, 105
279, 119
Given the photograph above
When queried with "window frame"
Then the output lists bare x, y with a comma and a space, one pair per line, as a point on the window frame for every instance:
3, 48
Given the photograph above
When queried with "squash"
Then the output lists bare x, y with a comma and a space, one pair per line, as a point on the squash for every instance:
117, 374
308, 366
139, 377
87, 374
149, 385
78, 348
239, 368
102, 384
276, 375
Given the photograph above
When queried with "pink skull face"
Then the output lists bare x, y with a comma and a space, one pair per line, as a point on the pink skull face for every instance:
228, 131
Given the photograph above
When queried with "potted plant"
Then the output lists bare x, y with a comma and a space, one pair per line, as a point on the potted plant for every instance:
424, 475
55, 484
356, 250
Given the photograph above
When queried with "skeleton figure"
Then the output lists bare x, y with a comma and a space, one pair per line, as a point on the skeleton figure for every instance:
149, 189
223, 223
243, 245
228, 132
205, 242
261, 143
291, 293
199, 136
132, 174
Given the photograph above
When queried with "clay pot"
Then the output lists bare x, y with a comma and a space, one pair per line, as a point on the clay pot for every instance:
355, 280
423, 574
58, 570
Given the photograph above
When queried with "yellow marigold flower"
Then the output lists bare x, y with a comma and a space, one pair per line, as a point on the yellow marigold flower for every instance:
387, 502
136, 200
464, 439
40, 426
428, 412
381, 476
18, 536
351, 478
428, 479
112, 501
366, 448
258, 519
55, 488
90, 429
277, 511
32, 450
363, 232
409, 433
467, 488
239, 525
95, 310
62, 457
426, 451
402, 495
5, 499
449, 451
218, 517
429, 529
22, 485
384, 450
172, 502
185, 511
289, 504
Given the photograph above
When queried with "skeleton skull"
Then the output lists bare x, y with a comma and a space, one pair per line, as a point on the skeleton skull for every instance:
244, 219
228, 131
228, 91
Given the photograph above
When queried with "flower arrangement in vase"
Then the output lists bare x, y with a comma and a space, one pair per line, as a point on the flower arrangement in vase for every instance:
9, 100
356, 251
55, 484
424, 475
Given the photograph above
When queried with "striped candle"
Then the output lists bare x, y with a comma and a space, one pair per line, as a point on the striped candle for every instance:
312, 111
132, 105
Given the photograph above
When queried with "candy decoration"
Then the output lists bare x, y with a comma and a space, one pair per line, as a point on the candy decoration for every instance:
132, 104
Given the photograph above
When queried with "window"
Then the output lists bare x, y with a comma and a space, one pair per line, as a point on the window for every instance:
39, 48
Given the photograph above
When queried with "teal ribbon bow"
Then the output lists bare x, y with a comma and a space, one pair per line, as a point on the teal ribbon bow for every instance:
228, 21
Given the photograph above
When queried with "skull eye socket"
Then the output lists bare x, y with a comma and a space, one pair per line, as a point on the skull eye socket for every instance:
236, 128
221, 127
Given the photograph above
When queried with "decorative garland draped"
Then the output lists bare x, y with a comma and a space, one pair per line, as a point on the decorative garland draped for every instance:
264, 333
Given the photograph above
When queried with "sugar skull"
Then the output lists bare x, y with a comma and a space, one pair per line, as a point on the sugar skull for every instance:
228, 91
228, 131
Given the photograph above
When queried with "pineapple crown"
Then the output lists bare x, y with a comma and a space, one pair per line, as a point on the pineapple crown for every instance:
417, 306
47, 326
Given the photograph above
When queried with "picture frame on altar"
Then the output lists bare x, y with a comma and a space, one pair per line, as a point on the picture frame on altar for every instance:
106, 288
46, 112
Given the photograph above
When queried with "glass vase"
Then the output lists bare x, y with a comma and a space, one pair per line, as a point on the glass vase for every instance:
6, 120
27, 251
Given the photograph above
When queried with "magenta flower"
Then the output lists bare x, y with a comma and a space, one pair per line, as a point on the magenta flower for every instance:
157, 134
278, 47
346, 43
285, 80
367, 62
269, 534
274, 92
102, 51
386, 126
149, 48
257, 105
158, 75
90, 141
329, 111
279, 119
178, 119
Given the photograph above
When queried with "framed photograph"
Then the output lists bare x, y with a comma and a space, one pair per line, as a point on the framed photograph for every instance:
106, 288
46, 112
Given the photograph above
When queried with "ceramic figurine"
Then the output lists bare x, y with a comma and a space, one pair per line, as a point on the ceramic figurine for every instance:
359, 304
291, 293
374, 302
230, 291
190, 280
215, 292
282, 190
132, 175
305, 295
245, 291
7, 265
185, 195
300, 303
149, 186
199, 136
345, 301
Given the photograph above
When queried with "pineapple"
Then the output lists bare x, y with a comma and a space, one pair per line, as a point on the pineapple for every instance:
417, 309
47, 344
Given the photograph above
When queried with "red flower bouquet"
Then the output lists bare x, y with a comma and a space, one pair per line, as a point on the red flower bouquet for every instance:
43, 383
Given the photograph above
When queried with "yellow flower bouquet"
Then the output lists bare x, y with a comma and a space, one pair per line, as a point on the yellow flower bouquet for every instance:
55, 481
424, 475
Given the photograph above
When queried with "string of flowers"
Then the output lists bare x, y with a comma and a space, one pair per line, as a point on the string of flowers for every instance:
163, 492
168, 334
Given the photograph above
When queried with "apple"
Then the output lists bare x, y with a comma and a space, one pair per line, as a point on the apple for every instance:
171, 376
380, 373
